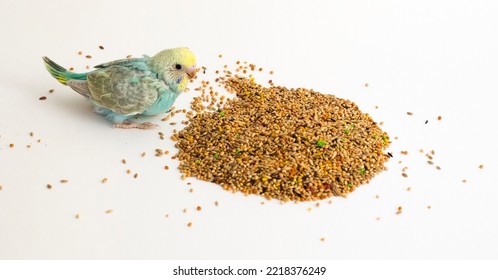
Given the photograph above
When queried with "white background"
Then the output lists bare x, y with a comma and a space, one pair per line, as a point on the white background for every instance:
432, 58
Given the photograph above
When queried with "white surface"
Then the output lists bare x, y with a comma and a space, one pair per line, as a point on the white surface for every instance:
428, 57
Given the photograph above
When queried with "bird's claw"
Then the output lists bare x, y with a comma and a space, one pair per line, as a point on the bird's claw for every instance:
128, 125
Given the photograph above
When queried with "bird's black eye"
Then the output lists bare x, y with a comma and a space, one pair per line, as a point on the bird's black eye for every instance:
178, 67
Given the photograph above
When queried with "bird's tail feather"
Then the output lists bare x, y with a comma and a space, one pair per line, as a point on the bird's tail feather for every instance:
60, 73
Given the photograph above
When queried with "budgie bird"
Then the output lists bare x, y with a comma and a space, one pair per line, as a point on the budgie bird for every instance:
125, 88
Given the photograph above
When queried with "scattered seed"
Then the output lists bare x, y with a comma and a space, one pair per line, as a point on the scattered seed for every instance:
189, 224
49, 186
404, 152
409, 113
191, 190
143, 154
429, 207
51, 90
322, 239
109, 211
399, 210
464, 180
104, 180
439, 118
77, 216
310, 209
88, 56
166, 167
481, 166
167, 215
427, 121
366, 84
220, 56
80, 53
199, 208
11, 145
42, 98
129, 56
377, 196
438, 167
63, 181
404, 174
1, 188
123, 161
71, 68
430, 162
184, 210
409, 189
377, 219
101, 47
135, 175
216, 203
128, 171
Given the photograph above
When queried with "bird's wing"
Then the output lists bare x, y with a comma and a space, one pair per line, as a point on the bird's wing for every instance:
126, 62
123, 90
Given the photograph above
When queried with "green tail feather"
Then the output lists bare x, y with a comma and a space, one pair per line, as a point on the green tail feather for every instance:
60, 73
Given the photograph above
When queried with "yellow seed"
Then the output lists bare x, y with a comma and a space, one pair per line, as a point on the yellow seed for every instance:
189, 224
104, 180
109, 211
481, 166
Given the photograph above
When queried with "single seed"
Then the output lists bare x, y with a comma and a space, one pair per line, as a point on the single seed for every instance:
409, 113
322, 239
101, 47
166, 167
49, 186
77, 216
71, 68
128, 171
378, 218
216, 203
366, 85
438, 167
426, 121
42, 98
123, 161
104, 180
88, 56
429, 207
11, 145
143, 154
399, 210
220, 56
439, 118
409, 189
191, 190
464, 181
481, 166
63, 181
189, 224
167, 215
51, 90
404, 174
184, 210
109, 211
135, 175
199, 208
80, 53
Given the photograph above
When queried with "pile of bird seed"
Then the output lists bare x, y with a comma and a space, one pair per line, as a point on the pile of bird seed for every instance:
288, 144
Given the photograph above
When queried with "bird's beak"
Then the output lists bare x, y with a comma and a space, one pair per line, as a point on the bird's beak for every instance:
191, 71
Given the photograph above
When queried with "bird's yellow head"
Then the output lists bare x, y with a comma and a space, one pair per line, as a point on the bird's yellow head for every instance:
175, 66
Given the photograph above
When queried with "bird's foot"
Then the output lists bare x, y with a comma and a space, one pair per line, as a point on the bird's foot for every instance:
128, 125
